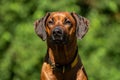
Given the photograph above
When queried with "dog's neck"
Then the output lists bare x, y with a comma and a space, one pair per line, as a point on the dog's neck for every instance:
62, 54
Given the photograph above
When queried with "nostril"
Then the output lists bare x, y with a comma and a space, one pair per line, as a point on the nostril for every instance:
54, 32
57, 34
57, 31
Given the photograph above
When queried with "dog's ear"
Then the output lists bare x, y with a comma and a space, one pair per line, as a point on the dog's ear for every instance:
39, 27
81, 25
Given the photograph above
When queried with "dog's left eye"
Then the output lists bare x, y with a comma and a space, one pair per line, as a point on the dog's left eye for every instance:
67, 21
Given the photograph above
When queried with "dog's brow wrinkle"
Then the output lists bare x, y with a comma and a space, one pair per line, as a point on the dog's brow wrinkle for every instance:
58, 15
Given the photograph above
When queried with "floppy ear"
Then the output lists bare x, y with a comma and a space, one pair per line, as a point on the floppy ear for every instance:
81, 25
39, 26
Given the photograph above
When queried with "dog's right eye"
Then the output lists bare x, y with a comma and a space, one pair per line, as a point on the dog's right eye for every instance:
67, 21
51, 22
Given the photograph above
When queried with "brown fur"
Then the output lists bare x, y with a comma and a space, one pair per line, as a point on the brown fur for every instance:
62, 54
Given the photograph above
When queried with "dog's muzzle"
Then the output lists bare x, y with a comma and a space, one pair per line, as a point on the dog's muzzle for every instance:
58, 36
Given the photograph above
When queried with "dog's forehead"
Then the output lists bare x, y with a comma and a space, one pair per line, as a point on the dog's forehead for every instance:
60, 14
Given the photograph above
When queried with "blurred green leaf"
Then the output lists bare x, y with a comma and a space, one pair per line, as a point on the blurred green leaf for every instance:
22, 51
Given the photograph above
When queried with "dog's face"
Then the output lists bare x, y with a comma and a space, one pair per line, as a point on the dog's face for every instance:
61, 27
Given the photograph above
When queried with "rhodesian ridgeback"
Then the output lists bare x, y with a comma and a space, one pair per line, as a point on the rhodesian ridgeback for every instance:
61, 30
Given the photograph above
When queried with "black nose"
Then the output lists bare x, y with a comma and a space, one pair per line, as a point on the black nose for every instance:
57, 31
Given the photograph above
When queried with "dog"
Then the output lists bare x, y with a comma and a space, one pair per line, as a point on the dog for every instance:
61, 31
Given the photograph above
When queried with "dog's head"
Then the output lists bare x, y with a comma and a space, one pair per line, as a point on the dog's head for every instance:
61, 27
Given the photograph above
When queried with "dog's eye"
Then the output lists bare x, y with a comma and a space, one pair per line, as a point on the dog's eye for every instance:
67, 21
51, 22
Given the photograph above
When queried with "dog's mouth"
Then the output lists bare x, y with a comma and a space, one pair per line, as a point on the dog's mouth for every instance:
60, 40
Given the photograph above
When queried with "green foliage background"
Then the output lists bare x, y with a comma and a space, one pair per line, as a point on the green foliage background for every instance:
22, 51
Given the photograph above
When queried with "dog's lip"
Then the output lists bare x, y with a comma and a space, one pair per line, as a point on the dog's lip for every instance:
60, 41
58, 38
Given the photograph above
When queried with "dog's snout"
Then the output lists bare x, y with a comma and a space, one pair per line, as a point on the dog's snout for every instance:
57, 31
57, 34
